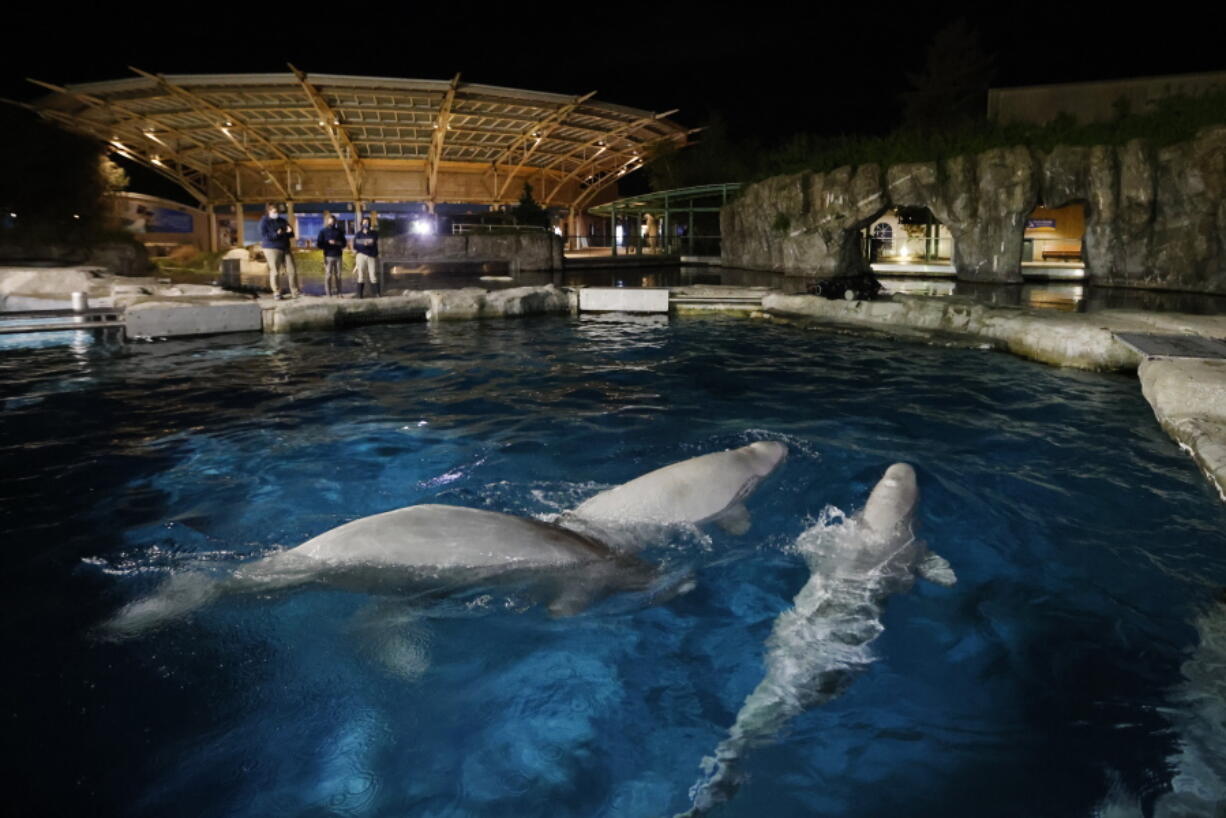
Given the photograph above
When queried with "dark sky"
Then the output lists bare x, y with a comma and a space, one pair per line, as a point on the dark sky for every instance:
764, 69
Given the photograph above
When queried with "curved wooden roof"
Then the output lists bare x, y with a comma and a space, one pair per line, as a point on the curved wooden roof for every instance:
327, 137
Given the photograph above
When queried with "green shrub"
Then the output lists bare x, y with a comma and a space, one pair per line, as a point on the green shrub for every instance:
1171, 120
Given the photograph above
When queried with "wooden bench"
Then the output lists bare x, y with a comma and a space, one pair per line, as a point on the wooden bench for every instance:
1062, 255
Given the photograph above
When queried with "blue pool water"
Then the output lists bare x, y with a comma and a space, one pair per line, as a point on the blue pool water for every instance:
1049, 679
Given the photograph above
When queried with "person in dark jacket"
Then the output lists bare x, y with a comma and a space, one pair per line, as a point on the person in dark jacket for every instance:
366, 246
332, 241
275, 235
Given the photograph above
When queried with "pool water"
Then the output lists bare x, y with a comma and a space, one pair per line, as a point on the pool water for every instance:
1049, 680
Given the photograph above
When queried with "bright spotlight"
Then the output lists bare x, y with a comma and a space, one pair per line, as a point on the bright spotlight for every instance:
423, 227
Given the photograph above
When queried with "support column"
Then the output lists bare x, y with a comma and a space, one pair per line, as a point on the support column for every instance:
212, 244
689, 230
666, 229
613, 231
638, 233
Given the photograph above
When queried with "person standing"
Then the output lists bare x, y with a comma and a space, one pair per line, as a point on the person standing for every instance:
332, 241
275, 235
366, 246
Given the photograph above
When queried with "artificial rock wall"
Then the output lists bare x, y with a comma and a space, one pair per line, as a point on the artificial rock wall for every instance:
1155, 217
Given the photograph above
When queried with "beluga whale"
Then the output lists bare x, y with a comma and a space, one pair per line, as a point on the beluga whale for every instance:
818, 646
708, 488
416, 550
431, 547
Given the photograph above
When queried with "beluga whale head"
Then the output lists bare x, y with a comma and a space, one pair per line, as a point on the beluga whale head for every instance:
891, 505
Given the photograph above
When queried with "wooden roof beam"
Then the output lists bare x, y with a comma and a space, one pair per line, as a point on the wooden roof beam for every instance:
537, 132
590, 193
592, 161
228, 122
125, 115
330, 121
135, 153
438, 138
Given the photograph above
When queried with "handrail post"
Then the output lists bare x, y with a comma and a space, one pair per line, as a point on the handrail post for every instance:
80, 305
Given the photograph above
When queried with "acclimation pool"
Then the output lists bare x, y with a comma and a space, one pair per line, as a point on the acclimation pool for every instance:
1090, 554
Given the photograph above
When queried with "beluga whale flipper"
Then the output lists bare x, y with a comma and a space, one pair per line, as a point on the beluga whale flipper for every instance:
422, 546
708, 488
818, 646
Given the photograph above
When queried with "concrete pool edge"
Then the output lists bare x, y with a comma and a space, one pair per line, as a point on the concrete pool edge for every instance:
1188, 396
325, 313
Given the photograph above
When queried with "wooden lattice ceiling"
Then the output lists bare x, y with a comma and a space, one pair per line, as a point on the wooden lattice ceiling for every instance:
204, 131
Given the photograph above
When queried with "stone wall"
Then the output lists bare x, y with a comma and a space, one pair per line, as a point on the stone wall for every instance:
1155, 218
534, 250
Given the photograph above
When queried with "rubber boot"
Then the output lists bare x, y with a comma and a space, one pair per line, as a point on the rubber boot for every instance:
361, 289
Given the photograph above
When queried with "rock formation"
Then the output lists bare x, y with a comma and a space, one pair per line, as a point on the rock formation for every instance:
1155, 217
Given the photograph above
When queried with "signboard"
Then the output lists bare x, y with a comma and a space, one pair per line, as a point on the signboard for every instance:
1040, 224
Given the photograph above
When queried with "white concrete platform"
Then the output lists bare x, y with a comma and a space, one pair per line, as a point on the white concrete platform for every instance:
623, 299
165, 319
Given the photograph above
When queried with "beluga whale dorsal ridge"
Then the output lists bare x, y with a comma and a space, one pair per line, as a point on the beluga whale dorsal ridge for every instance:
432, 546
819, 645
708, 488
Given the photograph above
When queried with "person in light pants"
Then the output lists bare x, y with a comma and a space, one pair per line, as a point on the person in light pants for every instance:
366, 266
275, 235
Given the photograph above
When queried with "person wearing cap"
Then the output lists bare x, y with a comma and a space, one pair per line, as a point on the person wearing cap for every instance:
275, 235
332, 241
366, 267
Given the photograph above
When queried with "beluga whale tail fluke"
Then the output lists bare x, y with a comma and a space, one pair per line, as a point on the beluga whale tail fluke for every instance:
819, 645
709, 488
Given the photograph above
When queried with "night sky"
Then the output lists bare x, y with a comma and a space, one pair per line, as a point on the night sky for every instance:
762, 70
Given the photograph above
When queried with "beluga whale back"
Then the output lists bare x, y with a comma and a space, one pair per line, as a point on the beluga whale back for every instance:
418, 547
819, 645
439, 546
708, 488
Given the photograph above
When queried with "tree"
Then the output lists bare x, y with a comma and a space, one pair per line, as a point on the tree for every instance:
952, 89
713, 159
529, 212
115, 177
51, 180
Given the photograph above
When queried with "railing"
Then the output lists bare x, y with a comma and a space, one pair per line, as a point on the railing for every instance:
80, 316
909, 250
703, 245
1039, 250
460, 229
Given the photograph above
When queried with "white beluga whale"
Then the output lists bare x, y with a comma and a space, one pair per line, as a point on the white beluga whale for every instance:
817, 647
708, 488
428, 548
418, 549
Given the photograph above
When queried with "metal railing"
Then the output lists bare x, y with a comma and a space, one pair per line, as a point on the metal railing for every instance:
703, 245
460, 229
1041, 250
79, 317
908, 250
